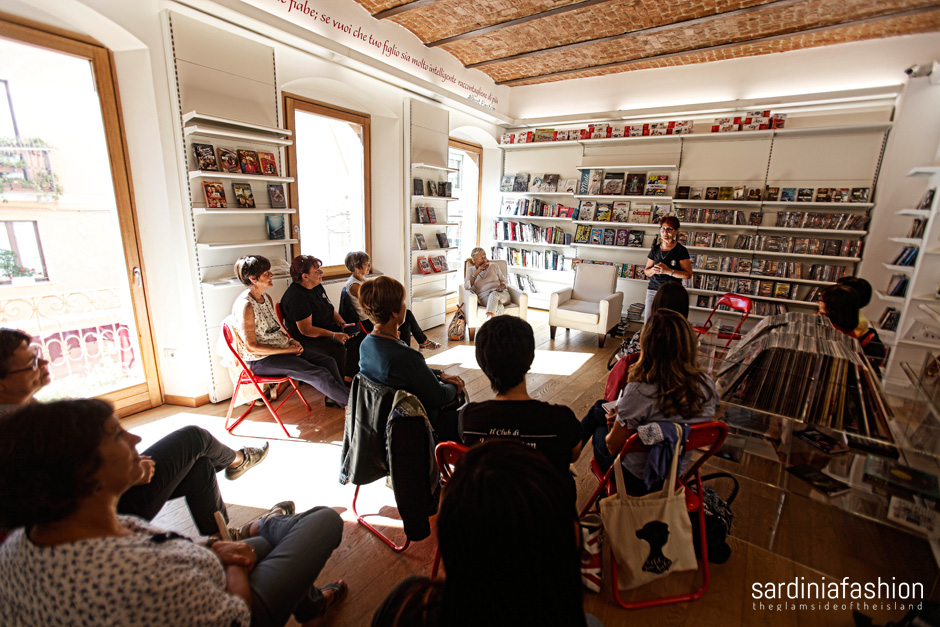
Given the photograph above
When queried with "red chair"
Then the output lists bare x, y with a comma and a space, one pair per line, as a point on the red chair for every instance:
733, 301
280, 318
708, 436
446, 454
246, 377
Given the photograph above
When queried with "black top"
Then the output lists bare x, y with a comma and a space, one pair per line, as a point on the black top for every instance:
551, 429
671, 259
298, 303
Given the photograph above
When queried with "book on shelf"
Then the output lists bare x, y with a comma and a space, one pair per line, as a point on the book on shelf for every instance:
276, 196
582, 234
584, 183
726, 192
772, 193
845, 195
914, 516
711, 193
745, 286
568, 186
739, 193
228, 160
214, 192
897, 286
634, 184
543, 135
432, 189
432, 216
550, 182
417, 187
927, 199
825, 443
660, 211
205, 157
895, 477
441, 259
536, 184
641, 212
424, 266
274, 226
597, 235
594, 182
603, 212
683, 192
823, 194
267, 163
753, 193
243, 195
804, 194
521, 182
613, 183
819, 480
889, 319
788, 194
435, 263
586, 210
755, 218
506, 184
421, 213
248, 159
620, 211
442, 240
622, 237
610, 236
696, 194
860, 194
420, 244
656, 185
635, 238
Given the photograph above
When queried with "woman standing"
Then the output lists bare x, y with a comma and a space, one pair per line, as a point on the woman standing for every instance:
265, 345
487, 282
667, 261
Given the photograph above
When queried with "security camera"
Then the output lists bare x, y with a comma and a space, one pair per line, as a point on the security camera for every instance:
917, 70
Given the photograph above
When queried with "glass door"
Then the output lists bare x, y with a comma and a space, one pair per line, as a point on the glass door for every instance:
466, 158
69, 267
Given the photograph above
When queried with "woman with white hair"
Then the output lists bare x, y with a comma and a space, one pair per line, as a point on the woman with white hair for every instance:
487, 282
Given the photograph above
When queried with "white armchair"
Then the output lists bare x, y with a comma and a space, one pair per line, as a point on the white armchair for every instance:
593, 304
476, 313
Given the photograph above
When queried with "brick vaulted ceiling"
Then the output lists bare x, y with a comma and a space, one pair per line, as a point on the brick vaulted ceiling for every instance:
526, 42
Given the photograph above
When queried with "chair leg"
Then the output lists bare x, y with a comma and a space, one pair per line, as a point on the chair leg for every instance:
551, 332
373, 530
601, 338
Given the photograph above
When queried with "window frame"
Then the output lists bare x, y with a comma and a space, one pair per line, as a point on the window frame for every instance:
7, 225
293, 103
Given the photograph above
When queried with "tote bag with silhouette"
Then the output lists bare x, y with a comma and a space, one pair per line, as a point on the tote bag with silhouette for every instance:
650, 536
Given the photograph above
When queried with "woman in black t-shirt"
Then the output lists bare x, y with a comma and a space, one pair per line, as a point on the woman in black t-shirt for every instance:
668, 260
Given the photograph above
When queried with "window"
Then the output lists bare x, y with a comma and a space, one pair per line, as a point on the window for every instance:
21, 251
331, 164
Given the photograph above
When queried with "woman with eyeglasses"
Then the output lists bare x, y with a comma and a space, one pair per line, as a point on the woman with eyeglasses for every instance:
668, 260
265, 345
23, 371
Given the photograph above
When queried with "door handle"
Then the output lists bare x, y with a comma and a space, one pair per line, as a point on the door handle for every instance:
138, 280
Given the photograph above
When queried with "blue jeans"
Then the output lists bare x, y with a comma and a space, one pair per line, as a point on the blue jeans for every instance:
594, 425
185, 464
291, 550
312, 368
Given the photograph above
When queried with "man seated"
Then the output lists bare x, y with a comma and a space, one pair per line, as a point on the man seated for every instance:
505, 349
184, 463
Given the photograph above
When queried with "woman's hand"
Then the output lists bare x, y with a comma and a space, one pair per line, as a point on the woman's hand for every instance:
235, 554
147, 468
295, 347
455, 380
501, 288
611, 416
340, 337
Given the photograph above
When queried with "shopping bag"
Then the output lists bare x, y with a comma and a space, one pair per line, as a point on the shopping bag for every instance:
650, 536
458, 325
591, 562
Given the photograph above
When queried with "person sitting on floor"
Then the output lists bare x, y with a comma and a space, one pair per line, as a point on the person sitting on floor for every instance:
488, 283
312, 320
840, 303
664, 385
267, 348
359, 264
508, 536
505, 349
73, 560
385, 360
182, 464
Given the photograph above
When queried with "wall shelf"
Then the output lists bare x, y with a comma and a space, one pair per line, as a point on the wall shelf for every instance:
537, 194
539, 218
196, 174
630, 198
521, 243
618, 168
196, 116
263, 242
255, 211
444, 198
218, 133
431, 166
732, 203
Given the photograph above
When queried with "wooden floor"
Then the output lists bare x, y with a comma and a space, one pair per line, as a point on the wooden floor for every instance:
777, 536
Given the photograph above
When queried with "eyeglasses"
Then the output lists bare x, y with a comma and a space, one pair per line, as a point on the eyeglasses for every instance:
668, 229
34, 362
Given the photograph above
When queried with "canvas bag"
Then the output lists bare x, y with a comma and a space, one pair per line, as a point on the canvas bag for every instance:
458, 325
650, 536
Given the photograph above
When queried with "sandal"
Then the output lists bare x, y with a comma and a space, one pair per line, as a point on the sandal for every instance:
307, 612
429, 344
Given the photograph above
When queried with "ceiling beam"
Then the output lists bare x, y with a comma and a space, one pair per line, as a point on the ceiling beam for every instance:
769, 38
696, 21
402, 8
582, 4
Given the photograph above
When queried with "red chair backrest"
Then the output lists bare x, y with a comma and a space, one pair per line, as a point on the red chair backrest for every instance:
280, 318
734, 301
230, 340
617, 379
702, 435
447, 454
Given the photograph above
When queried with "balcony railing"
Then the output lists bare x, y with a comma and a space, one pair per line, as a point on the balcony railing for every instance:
26, 168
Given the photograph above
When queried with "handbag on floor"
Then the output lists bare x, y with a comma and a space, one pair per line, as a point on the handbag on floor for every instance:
718, 519
650, 536
457, 328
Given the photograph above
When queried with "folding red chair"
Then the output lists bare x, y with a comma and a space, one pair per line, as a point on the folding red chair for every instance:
733, 301
446, 454
246, 377
708, 436
280, 318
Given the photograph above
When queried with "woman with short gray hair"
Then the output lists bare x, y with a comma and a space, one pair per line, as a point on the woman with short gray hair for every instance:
487, 282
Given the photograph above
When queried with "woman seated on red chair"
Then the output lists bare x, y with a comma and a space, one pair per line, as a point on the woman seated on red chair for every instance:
265, 345
664, 385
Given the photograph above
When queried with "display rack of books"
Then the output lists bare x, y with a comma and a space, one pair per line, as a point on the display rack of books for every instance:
775, 214
807, 414
910, 318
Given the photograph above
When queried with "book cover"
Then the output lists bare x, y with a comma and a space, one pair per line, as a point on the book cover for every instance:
755, 218
641, 212
603, 212
745, 286
634, 184
420, 244
586, 210
214, 193
243, 195
276, 196
536, 185
721, 240
613, 183
622, 237
584, 183
432, 216
569, 186
597, 235
423, 265
582, 234
442, 240
594, 184
823, 194
550, 182
432, 189
610, 236
845, 195
697, 194
819, 480
228, 160
417, 188
422, 214
248, 159
274, 225
804, 194
765, 288
521, 182
914, 516
753, 193
620, 211
725, 193
436, 264
205, 157
711, 193
268, 163
788, 194
543, 135
880, 471
660, 211
825, 443
505, 185
739, 193
635, 239
782, 290
683, 192
772, 193
860, 194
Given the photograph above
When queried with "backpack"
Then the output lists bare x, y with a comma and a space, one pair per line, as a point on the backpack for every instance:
457, 328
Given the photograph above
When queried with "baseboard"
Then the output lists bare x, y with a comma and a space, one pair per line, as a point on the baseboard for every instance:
186, 401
